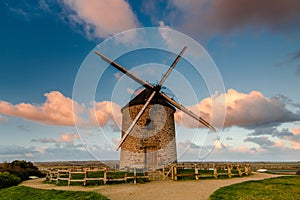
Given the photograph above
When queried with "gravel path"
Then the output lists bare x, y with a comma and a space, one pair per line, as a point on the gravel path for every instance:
200, 189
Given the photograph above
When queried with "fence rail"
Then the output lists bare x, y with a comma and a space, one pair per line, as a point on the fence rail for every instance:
172, 171
67, 175
216, 171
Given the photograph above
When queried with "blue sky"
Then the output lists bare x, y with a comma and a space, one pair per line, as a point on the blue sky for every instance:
255, 45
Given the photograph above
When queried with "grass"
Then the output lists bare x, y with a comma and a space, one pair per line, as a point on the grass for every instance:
286, 187
22, 192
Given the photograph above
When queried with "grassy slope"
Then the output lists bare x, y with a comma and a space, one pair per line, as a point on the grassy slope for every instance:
287, 187
22, 192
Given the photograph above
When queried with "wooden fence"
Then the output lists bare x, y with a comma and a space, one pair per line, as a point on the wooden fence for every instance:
204, 171
58, 175
172, 171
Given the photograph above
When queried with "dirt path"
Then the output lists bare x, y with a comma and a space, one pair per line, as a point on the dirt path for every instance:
200, 189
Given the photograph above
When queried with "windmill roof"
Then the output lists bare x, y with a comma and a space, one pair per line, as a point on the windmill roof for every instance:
142, 97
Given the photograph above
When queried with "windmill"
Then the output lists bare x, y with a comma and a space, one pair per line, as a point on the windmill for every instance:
148, 130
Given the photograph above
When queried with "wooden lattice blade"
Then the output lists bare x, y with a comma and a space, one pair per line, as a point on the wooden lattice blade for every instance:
188, 112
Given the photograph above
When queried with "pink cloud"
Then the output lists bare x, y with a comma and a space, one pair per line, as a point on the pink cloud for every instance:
280, 144
57, 110
243, 149
64, 138
295, 145
67, 137
241, 110
295, 140
296, 131
105, 112
103, 18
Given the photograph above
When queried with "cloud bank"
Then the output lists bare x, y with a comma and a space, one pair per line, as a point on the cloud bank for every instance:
64, 138
244, 110
215, 16
57, 110
291, 136
264, 148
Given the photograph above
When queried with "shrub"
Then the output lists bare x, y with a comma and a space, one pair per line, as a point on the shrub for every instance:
8, 180
21, 168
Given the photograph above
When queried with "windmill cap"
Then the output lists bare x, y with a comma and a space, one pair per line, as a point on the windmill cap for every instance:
142, 97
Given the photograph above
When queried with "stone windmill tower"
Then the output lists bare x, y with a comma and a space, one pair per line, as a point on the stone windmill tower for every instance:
151, 142
148, 130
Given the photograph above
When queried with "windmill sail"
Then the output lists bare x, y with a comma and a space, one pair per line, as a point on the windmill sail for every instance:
154, 90
125, 71
188, 112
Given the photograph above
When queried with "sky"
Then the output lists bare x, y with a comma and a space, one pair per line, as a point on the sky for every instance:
252, 46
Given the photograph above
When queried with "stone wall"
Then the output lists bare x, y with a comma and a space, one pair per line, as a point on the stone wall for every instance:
151, 143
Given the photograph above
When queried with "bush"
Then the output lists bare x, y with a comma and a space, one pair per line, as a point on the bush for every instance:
21, 168
8, 180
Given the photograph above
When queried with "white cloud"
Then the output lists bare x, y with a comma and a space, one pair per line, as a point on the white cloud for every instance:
15, 150
264, 149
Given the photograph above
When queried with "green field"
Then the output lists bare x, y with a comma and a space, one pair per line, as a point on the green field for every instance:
22, 192
287, 187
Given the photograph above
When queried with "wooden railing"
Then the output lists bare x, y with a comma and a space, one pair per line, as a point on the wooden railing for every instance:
172, 171
203, 171
67, 175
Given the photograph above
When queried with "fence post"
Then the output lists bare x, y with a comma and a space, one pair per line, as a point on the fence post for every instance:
172, 171
215, 171
70, 176
125, 177
229, 170
85, 176
51, 175
249, 169
105, 176
239, 170
196, 172
246, 169
175, 173
57, 178
134, 175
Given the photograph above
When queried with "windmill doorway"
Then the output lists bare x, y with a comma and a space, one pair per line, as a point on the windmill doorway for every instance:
150, 153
